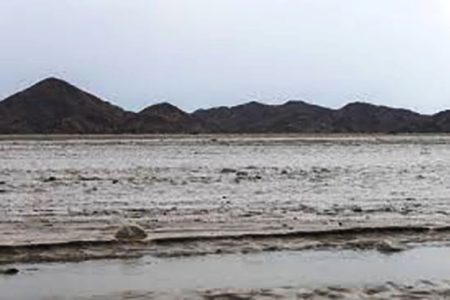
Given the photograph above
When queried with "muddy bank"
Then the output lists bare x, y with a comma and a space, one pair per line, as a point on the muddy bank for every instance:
382, 239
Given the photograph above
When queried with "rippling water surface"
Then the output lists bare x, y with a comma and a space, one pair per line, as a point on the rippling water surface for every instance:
69, 189
63, 198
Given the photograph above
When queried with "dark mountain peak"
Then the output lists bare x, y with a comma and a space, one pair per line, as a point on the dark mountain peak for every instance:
249, 105
367, 117
165, 118
52, 84
442, 120
296, 103
254, 103
163, 105
302, 105
442, 113
364, 107
55, 106
52, 81
50, 92
252, 109
293, 116
43, 91
357, 105
161, 108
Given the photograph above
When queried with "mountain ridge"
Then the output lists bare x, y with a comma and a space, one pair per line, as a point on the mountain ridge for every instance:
56, 106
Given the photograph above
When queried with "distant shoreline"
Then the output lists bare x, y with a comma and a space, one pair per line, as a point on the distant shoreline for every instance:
216, 136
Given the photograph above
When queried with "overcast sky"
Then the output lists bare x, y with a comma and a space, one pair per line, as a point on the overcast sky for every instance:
202, 53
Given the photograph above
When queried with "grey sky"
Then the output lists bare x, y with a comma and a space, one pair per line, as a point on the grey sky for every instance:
202, 53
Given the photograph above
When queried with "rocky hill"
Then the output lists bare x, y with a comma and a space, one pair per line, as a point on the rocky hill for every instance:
164, 118
55, 106
293, 116
298, 116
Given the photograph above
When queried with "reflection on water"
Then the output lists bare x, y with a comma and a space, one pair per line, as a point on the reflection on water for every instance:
263, 270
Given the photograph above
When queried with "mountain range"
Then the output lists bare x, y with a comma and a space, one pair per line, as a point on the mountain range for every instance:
53, 106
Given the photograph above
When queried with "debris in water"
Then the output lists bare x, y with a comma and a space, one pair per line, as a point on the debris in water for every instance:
387, 246
9, 271
130, 232
50, 179
228, 170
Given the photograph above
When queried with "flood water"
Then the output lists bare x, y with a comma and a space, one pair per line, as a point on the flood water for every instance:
306, 269
58, 190
259, 195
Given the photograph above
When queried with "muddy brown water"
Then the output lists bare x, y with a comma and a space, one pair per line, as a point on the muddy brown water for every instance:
82, 189
66, 190
178, 276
